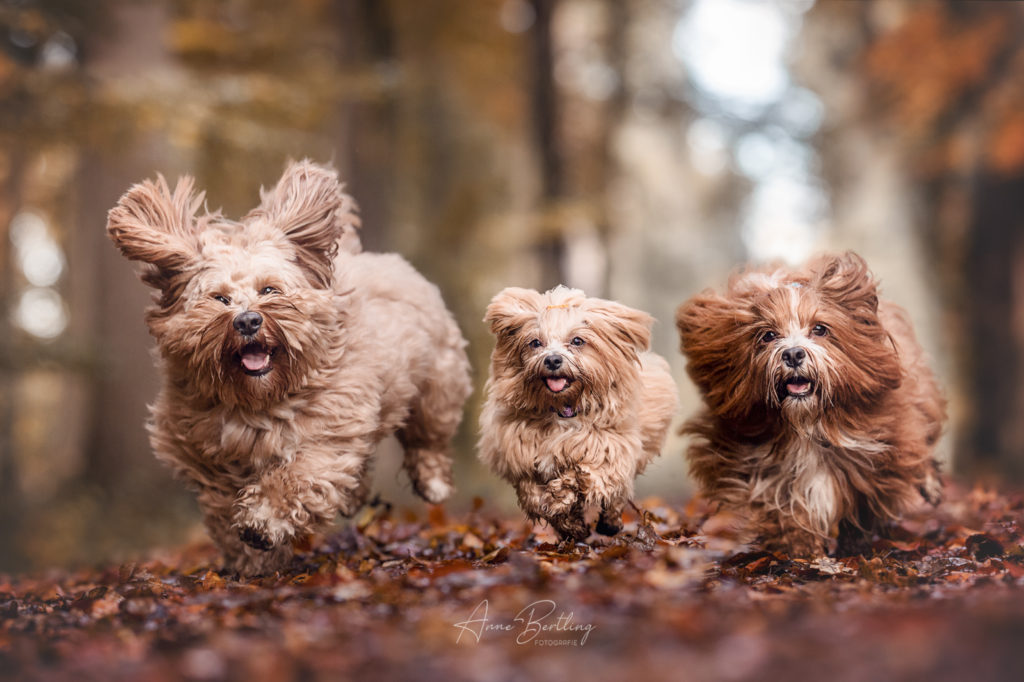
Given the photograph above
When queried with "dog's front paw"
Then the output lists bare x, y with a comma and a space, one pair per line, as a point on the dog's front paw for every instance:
931, 489
559, 496
259, 524
582, 480
608, 527
255, 538
248, 560
796, 543
571, 527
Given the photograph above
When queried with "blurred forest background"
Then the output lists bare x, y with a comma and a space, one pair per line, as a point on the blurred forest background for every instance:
640, 150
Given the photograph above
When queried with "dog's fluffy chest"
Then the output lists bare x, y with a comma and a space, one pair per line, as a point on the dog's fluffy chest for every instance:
814, 482
798, 475
256, 439
554, 445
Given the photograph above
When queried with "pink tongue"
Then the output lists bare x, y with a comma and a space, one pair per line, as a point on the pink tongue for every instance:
798, 386
254, 362
556, 384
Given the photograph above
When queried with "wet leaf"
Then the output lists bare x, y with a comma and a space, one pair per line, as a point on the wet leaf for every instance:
982, 547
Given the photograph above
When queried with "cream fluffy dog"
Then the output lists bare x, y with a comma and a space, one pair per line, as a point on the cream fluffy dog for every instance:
286, 355
821, 412
576, 405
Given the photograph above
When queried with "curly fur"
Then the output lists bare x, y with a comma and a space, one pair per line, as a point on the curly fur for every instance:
275, 427
835, 440
575, 435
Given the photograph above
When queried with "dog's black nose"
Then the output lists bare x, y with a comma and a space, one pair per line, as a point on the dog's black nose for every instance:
248, 323
794, 357
553, 362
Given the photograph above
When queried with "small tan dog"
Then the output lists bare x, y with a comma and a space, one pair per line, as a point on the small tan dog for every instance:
821, 412
286, 356
576, 405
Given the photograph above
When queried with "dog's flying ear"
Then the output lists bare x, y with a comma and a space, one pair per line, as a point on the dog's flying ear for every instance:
628, 328
845, 279
310, 208
510, 308
713, 333
157, 227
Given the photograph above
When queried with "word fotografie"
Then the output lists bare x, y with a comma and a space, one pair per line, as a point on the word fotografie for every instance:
533, 620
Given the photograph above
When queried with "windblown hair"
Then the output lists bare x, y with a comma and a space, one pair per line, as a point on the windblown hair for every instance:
576, 407
821, 413
286, 355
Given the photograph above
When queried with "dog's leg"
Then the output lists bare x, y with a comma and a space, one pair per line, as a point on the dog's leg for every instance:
778, 535
239, 556
563, 500
610, 521
557, 501
434, 418
290, 501
931, 488
852, 541
572, 525
560, 495
537, 502
855, 534
430, 471
611, 487
358, 496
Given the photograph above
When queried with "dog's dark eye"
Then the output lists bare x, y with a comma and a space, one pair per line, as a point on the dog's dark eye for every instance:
577, 341
535, 343
268, 290
768, 337
819, 330
223, 299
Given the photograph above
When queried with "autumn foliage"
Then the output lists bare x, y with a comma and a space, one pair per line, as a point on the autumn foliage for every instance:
946, 72
391, 596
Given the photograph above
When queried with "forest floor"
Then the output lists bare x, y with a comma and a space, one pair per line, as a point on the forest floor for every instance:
392, 596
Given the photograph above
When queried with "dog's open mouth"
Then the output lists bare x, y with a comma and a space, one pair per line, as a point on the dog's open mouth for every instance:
255, 359
796, 387
565, 411
557, 384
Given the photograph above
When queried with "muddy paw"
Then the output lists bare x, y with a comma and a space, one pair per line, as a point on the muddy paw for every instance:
796, 544
559, 496
608, 527
582, 480
255, 539
571, 528
852, 541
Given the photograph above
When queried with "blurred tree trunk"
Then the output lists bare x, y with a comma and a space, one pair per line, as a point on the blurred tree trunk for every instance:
119, 463
366, 128
545, 112
11, 500
939, 82
994, 315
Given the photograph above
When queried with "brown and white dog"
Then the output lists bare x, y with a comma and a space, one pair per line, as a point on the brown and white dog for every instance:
576, 405
821, 413
286, 355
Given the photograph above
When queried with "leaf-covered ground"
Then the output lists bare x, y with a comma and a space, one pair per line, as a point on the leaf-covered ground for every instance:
441, 598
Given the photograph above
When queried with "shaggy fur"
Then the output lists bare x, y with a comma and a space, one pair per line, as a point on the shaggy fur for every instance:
576, 406
821, 412
286, 354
